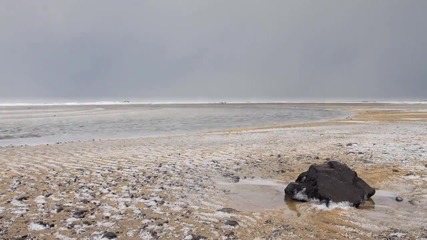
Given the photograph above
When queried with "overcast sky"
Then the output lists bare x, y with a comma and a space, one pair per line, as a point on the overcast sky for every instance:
227, 50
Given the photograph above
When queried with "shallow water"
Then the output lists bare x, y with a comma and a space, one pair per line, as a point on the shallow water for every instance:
383, 209
50, 124
257, 195
254, 195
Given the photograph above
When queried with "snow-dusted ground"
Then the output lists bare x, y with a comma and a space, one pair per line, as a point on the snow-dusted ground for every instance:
169, 187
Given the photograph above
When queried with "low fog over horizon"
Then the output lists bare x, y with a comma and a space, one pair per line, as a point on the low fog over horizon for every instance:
202, 51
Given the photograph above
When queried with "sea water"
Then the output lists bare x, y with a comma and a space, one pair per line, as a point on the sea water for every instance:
40, 124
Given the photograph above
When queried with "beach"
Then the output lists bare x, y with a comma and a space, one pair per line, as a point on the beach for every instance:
221, 184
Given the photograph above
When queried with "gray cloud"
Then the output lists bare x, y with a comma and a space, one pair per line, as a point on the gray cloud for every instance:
213, 49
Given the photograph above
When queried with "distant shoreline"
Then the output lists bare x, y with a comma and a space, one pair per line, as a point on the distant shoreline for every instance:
110, 103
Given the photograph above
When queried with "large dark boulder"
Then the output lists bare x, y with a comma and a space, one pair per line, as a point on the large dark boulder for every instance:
332, 181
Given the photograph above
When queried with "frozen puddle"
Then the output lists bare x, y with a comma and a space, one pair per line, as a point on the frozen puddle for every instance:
254, 195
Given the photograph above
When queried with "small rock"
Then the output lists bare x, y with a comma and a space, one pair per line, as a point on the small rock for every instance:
80, 213
395, 170
161, 223
109, 235
48, 194
399, 199
161, 202
228, 210
59, 208
23, 237
197, 237
235, 179
22, 198
231, 223
153, 234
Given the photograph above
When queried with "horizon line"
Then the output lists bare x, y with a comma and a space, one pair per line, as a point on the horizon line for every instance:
126, 102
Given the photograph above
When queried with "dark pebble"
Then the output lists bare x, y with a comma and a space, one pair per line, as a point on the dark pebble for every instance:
22, 198
399, 199
109, 235
24, 237
153, 234
235, 179
161, 202
231, 223
47, 195
59, 209
228, 210
197, 237
79, 213
229, 234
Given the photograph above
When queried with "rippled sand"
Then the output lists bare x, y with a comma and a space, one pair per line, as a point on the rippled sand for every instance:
185, 186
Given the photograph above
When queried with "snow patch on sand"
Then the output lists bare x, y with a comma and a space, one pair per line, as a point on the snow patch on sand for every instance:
19, 207
62, 237
36, 227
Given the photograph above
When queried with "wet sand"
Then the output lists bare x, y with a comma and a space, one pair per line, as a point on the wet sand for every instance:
184, 187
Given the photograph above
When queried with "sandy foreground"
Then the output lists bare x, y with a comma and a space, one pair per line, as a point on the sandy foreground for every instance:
222, 185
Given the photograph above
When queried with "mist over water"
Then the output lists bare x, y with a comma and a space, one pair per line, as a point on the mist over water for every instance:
50, 124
